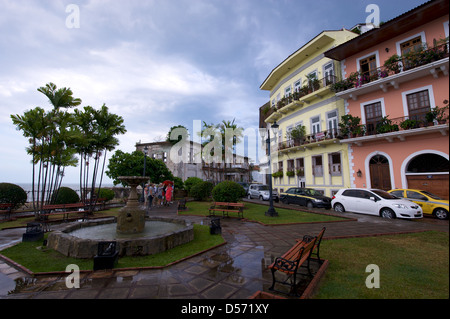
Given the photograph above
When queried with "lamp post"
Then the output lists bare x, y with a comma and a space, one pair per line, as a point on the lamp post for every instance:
271, 212
143, 184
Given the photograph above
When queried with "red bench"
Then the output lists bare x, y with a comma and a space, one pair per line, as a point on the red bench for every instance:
6, 209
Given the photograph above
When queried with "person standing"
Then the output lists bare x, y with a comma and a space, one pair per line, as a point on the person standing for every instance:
169, 190
151, 194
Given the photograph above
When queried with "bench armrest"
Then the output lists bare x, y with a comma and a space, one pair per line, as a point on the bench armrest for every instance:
284, 264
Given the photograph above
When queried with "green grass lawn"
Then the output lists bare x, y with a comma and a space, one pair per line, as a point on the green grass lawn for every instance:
255, 212
48, 260
413, 266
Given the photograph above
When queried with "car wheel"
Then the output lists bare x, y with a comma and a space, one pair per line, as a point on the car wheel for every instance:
339, 208
261, 198
249, 196
285, 201
309, 205
387, 213
441, 213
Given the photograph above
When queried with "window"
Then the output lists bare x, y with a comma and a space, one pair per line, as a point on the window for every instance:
373, 113
415, 195
414, 44
287, 91
315, 125
297, 85
399, 193
418, 104
328, 74
332, 123
368, 66
335, 164
317, 166
290, 166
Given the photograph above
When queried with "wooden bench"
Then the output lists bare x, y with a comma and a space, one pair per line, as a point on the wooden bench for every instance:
6, 209
62, 209
226, 208
295, 258
182, 204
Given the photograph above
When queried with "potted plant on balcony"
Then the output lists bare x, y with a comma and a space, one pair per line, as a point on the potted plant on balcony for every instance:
348, 125
290, 173
437, 114
392, 64
277, 174
300, 171
409, 124
386, 126
297, 134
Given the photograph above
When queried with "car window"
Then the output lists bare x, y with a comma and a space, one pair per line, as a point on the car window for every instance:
415, 195
397, 193
351, 193
291, 191
264, 188
366, 195
383, 194
431, 195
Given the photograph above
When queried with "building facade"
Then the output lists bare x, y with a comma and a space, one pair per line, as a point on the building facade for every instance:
191, 165
307, 111
396, 85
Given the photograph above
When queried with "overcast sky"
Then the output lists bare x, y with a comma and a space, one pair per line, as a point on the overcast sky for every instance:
156, 63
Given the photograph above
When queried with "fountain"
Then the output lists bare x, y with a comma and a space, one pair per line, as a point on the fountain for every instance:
135, 234
131, 219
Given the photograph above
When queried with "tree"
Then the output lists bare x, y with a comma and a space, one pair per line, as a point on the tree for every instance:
132, 164
50, 135
97, 130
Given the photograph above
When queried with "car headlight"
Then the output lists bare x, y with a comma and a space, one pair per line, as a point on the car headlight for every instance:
318, 200
400, 206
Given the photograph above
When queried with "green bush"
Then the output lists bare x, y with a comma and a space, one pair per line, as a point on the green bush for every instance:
106, 193
228, 191
65, 195
191, 181
12, 194
201, 191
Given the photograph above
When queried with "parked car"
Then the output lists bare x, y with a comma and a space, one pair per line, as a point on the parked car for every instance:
431, 204
245, 185
262, 192
306, 197
375, 202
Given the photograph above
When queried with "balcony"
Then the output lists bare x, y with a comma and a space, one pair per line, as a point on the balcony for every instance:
314, 89
397, 129
321, 139
396, 70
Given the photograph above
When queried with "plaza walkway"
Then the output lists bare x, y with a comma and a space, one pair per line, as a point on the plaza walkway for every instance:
237, 269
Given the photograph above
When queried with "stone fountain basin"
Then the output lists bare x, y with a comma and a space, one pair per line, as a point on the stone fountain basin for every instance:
67, 243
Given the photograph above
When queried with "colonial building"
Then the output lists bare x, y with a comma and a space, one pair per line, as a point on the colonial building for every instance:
308, 112
395, 90
191, 164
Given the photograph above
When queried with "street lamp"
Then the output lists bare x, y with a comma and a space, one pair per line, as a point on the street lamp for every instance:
271, 212
145, 164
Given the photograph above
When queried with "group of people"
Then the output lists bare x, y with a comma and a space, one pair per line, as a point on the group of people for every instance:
158, 195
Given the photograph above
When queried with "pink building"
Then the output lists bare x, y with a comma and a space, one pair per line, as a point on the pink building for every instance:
397, 85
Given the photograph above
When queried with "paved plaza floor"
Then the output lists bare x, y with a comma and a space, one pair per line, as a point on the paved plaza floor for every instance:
236, 270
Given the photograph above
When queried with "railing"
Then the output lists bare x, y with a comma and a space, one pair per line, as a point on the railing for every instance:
393, 66
311, 138
386, 125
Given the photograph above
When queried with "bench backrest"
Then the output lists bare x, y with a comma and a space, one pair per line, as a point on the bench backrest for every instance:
6, 206
236, 204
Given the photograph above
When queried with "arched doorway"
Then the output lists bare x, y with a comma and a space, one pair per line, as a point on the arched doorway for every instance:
380, 175
429, 172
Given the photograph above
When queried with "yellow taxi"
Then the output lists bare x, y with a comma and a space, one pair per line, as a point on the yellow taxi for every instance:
431, 204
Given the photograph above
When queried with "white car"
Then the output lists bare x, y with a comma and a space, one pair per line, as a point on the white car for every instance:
262, 192
374, 202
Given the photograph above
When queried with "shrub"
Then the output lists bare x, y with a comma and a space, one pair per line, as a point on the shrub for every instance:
106, 193
191, 181
228, 191
201, 191
65, 195
12, 194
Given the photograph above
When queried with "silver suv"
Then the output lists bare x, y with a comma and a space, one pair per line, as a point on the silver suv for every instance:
262, 192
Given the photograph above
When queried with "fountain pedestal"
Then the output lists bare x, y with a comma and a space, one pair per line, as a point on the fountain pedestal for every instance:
131, 218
